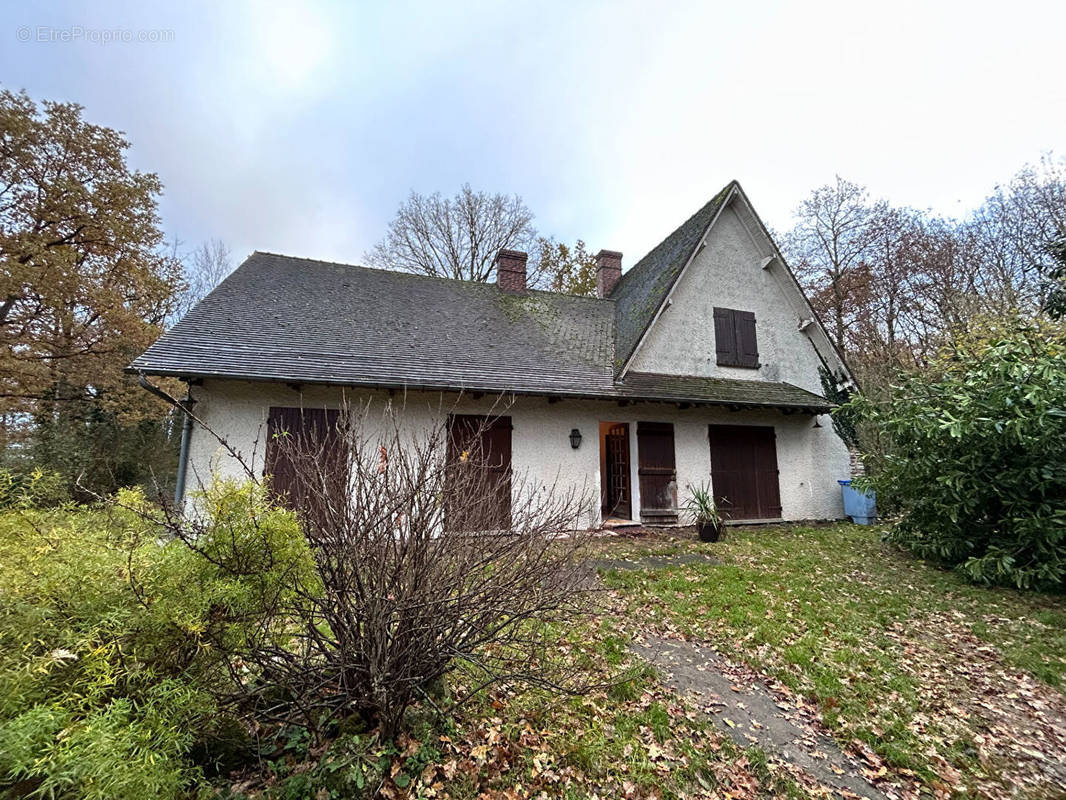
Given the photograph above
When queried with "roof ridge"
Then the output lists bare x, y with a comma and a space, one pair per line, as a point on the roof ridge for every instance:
715, 198
416, 275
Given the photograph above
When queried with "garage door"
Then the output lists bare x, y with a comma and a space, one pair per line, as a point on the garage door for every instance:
744, 471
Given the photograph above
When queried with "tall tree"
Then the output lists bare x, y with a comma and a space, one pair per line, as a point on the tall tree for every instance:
454, 237
1012, 232
204, 269
84, 281
827, 247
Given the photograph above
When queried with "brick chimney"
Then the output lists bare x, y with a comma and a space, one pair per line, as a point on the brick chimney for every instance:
608, 271
511, 271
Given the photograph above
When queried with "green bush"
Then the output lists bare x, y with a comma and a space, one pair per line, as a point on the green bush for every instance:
977, 461
34, 488
109, 634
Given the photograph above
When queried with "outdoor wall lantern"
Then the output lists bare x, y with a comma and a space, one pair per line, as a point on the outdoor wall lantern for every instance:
575, 438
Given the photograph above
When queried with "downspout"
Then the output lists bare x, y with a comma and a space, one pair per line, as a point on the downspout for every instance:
186, 432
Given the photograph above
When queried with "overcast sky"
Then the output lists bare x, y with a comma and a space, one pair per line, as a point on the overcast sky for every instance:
298, 128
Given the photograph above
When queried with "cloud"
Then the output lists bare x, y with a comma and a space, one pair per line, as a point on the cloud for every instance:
300, 127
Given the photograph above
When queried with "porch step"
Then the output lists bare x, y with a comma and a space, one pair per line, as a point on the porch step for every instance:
740, 522
614, 522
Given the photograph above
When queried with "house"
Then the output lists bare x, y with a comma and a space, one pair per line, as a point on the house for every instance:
701, 363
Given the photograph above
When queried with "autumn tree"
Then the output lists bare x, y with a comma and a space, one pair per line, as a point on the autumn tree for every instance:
562, 268
84, 283
454, 237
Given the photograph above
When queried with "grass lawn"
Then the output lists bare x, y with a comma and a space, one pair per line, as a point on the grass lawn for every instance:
631, 739
956, 687
943, 689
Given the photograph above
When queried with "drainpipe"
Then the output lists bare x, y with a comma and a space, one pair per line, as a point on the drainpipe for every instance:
183, 458
186, 433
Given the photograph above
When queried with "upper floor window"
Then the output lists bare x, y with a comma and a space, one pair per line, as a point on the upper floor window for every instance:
734, 338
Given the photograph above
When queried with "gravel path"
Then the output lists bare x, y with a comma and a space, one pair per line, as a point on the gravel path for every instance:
746, 710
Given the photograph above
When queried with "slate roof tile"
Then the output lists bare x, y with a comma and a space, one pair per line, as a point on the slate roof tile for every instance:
642, 289
279, 318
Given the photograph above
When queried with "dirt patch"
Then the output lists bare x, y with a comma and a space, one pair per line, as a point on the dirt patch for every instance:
751, 715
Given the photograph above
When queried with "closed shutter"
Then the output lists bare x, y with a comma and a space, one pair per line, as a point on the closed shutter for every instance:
744, 471
735, 342
303, 444
725, 338
479, 473
747, 345
657, 472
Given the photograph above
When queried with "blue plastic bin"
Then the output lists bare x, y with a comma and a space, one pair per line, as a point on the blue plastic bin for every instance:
860, 506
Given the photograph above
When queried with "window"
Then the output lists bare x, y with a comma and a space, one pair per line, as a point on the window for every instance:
734, 338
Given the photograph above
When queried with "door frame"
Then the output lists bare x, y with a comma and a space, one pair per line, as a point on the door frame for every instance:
627, 470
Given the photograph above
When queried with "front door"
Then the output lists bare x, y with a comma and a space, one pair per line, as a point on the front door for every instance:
479, 464
657, 471
616, 502
744, 471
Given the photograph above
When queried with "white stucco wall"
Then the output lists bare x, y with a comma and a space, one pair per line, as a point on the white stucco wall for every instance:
810, 460
728, 273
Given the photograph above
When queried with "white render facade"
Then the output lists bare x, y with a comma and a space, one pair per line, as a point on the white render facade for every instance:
810, 459
732, 265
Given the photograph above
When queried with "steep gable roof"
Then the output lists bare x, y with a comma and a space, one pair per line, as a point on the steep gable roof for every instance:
642, 290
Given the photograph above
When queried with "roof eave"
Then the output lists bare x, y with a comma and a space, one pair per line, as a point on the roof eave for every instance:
650, 397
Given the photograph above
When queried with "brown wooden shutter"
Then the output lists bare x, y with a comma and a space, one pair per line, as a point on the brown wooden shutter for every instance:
479, 462
725, 338
767, 479
744, 471
735, 342
747, 344
291, 433
657, 472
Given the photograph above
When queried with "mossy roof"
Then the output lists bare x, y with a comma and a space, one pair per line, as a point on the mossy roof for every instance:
280, 318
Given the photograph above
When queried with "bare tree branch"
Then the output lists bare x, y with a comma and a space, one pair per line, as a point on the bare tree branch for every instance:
455, 237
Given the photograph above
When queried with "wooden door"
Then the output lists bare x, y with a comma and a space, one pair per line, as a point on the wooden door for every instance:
657, 472
479, 460
744, 471
617, 501
303, 447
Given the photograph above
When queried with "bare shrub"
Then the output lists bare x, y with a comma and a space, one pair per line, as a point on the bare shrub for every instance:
419, 567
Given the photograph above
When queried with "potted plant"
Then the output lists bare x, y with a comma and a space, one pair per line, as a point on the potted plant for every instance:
704, 511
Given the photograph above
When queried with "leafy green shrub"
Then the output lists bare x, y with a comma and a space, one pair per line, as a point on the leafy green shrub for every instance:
35, 488
106, 678
977, 460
